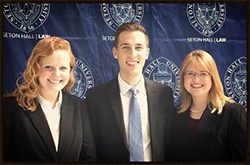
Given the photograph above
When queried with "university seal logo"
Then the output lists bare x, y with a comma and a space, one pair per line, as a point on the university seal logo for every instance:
115, 14
83, 79
235, 81
26, 17
206, 18
164, 71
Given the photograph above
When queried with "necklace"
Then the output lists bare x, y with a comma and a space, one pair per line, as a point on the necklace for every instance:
196, 111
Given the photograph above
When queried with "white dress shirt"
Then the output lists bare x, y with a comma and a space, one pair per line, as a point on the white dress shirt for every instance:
142, 99
52, 116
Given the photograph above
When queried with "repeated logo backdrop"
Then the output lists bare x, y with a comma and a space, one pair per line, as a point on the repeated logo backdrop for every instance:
174, 31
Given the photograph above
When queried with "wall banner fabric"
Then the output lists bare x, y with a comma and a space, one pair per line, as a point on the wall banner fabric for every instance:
174, 29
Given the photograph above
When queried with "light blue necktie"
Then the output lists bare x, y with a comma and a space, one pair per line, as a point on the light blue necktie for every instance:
135, 129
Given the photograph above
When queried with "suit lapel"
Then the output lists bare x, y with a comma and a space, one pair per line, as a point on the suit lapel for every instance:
113, 93
152, 109
66, 122
40, 123
205, 123
182, 127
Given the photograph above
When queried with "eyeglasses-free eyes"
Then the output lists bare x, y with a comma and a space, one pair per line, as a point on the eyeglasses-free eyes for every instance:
193, 74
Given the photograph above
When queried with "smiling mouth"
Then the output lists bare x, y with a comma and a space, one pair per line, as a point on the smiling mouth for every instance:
132, 63
197, 86
55, 81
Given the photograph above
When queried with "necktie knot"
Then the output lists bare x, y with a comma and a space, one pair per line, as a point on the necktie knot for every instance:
133, 91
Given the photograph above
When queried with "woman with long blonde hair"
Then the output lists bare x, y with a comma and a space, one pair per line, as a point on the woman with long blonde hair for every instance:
208, 125
42, 121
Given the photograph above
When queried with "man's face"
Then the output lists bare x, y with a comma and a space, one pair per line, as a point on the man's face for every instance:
131, 53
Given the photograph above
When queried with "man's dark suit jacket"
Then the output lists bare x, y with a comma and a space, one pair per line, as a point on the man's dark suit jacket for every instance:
106, 116
27, 135
216, 138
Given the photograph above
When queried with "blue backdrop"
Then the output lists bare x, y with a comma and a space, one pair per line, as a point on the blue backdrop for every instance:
174, 31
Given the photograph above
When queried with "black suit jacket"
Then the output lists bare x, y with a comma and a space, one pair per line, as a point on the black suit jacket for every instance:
27, 136
106, 116
216, 138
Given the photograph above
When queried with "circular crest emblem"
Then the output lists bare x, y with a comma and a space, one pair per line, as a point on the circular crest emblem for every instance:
235, 81
115, 14
164, 71
83, 79
26, 17
206, 18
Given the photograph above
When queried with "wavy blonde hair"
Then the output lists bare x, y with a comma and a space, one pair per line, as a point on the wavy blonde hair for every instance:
27, 92
216, 93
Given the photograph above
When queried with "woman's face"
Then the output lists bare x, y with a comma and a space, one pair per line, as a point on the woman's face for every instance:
197, 81
55, 72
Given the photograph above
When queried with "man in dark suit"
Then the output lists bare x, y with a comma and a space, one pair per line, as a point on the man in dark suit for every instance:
108, 104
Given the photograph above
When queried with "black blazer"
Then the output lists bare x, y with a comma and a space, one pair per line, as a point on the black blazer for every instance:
216, 138
27, 136
106, 116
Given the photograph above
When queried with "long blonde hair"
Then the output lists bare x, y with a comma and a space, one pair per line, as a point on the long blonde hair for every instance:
216, 93
27, 92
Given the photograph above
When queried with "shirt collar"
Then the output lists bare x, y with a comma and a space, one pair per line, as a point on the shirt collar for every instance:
124, 87
45, 102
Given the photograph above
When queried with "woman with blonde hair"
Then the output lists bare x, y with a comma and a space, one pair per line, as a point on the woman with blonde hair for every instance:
208, 125
42, 121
